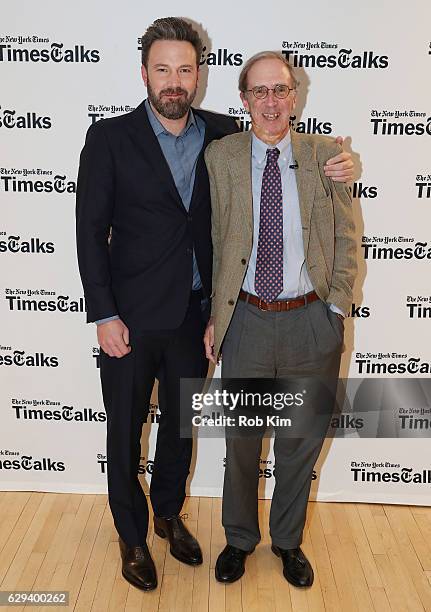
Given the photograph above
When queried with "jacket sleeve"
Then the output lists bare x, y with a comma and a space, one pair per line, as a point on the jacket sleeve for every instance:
345, 255
94, 209
215, 214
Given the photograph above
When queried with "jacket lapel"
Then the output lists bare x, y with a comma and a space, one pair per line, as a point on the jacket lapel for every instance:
239, 164
305, 180
144, 137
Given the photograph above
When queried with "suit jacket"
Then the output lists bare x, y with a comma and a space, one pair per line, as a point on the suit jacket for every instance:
143, 272
326, 215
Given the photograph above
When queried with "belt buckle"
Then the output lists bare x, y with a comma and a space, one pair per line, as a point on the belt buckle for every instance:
259, 305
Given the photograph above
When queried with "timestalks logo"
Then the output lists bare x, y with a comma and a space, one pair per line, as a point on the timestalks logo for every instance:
364, 191
29, 120
375, 472
11, 460
58, 184
145, 465
98, 111
47, 410
15, 357
344, 58
16, 244
56, 53
61, 303
415, 251
220, 57
383, 126
423, 184
414, 422
390, 363
359, 312
416, 307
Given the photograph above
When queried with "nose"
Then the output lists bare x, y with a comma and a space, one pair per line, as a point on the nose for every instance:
271, 99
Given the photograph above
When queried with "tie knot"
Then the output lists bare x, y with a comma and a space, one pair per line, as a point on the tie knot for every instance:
272, 155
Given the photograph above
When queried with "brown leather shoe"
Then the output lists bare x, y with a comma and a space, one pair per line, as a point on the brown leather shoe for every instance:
138, 566
183, 545
296, 567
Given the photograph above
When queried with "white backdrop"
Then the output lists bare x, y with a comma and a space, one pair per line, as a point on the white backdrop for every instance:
364, 71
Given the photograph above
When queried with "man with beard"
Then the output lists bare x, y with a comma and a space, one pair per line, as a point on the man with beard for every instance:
145, 258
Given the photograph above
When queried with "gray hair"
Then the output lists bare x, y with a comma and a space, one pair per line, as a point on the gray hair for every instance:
170, 28
242, 80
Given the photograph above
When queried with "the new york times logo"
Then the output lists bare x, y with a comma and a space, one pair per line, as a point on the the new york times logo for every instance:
364, 191
390, 363
146, 466
383, 125
410, 249
60, 303
35, 180
99, 111
311, 125
423, 184
12, 460
329, 55
22, 49
418, 307
48, 410
14, 243
375, 472
15, 357
414, 419
27, 121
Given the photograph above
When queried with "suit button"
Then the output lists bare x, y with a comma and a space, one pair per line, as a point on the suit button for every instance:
243, 261
189, 251
189, 218
231, 302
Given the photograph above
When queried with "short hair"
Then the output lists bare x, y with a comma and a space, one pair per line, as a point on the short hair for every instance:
170, 28
242, 80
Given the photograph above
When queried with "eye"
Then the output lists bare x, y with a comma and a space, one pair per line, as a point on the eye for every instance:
186, 70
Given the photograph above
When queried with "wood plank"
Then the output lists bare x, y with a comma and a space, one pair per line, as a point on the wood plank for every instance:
202, 577
323, 562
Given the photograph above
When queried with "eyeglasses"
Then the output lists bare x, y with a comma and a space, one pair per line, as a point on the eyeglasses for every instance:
280, 91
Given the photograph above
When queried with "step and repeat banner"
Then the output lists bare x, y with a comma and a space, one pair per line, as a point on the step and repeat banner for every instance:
364, 74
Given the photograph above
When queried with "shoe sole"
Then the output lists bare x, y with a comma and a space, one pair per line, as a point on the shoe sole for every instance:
289, 579
162, 535
138, 585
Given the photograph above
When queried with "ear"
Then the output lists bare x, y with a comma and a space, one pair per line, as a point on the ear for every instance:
244, 101
144, 74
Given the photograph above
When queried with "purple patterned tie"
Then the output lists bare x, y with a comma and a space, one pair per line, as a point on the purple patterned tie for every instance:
268, 280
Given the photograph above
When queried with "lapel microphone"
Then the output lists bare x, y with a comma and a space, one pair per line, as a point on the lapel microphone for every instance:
294, 166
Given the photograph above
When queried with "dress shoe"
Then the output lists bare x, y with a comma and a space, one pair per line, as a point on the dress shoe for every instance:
138, 566
183, 545
230, 564
296, 567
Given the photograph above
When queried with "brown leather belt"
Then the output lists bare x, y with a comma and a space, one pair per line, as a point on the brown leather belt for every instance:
279, 305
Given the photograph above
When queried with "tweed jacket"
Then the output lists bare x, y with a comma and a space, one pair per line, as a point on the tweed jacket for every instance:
326, 214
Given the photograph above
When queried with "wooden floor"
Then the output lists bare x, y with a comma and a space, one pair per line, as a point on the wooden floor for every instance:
365, 557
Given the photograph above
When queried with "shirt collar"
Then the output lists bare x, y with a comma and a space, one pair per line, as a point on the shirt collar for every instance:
158, 128
259, 148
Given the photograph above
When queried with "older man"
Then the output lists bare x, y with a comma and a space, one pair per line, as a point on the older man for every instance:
284, 266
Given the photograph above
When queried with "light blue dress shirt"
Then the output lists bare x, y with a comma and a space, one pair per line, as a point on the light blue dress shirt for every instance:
181, 153
295, 276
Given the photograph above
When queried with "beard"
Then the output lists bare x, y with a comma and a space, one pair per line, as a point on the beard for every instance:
171, 109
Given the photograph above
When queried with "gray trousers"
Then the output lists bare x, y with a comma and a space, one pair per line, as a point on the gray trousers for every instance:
305, 341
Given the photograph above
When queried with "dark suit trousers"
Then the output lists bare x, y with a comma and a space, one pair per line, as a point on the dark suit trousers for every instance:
127, 383
304, 343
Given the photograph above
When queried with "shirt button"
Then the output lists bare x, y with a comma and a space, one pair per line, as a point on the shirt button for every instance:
231, 302
243, 261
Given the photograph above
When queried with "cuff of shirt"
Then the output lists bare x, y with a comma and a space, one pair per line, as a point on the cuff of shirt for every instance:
336, 310
113, 318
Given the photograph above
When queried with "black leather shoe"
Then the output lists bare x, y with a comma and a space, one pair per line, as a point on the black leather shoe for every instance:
230, 564
138, 566
183, 545
296, 567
